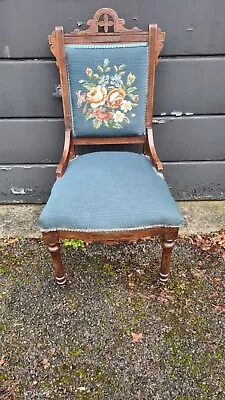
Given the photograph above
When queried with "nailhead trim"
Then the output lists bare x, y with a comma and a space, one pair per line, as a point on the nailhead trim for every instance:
106, 46
108, 230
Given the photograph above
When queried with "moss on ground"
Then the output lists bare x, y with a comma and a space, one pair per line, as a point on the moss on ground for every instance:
84, 330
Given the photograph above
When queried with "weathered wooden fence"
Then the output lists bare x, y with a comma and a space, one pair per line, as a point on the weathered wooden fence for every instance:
189, 104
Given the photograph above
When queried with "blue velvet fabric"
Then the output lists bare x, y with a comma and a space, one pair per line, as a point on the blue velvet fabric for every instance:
108, 87
110, 191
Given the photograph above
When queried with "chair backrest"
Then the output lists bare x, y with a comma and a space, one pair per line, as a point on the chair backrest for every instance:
107, 75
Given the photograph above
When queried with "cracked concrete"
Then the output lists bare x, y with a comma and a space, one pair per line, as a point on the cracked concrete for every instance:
200, 217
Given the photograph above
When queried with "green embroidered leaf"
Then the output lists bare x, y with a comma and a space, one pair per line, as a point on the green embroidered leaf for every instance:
89, 114
88, 86
111, 87
115, 67
110, 123
130, 96
95, 76
97, 123
122, 66
126, 119
106, 123
87, 117
117, 125
122, 73
131, 89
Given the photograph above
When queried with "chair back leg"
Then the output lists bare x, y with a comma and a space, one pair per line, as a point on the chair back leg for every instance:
167, 246
51, 238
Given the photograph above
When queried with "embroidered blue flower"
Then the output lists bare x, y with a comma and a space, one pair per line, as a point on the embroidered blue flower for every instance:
116, 80
104, 80
105, 66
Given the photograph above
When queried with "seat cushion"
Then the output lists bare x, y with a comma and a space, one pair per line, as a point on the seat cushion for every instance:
110, 191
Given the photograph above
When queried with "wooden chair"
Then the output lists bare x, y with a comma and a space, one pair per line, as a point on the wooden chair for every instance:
107, 75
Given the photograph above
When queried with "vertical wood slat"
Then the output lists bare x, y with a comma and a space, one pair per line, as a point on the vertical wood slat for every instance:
151, 73
61, 63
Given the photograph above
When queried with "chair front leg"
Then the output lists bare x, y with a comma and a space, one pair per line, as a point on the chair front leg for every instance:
51, 238
167, 246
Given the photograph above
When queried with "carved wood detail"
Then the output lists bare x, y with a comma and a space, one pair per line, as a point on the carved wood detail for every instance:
53, 47
167, 246
160, 38
101, 20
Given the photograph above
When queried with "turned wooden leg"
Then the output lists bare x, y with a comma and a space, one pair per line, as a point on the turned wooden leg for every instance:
54, 248
167, 247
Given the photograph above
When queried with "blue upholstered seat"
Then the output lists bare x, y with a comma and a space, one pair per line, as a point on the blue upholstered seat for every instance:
110, 191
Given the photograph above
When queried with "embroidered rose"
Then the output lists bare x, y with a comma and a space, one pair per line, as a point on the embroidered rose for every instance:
102, 114
115, 97
96, 96
89, 71
136, 97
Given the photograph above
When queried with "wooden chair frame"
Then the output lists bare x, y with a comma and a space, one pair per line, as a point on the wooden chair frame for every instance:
102, 29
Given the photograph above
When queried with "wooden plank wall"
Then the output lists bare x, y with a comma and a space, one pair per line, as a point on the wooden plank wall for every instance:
189, 103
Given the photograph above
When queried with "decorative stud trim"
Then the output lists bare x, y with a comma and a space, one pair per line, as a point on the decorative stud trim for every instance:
109, 230
106, 46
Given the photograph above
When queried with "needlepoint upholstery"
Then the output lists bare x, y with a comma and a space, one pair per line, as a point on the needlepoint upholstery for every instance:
108, 88
110, 191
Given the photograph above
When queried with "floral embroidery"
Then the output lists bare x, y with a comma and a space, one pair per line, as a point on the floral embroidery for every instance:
108, 99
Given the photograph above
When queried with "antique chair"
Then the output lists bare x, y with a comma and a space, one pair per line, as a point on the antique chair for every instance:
107, 75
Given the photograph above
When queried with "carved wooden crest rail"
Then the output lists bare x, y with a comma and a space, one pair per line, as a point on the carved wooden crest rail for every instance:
106, 27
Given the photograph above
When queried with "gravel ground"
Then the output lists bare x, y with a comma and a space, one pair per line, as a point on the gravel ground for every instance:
113, 332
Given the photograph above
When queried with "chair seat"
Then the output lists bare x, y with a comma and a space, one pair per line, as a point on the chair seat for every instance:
110, 191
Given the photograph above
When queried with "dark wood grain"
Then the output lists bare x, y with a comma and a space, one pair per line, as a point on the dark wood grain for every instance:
150, 150
66, 154
52, 240
167, 246
132, 235
109, 140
